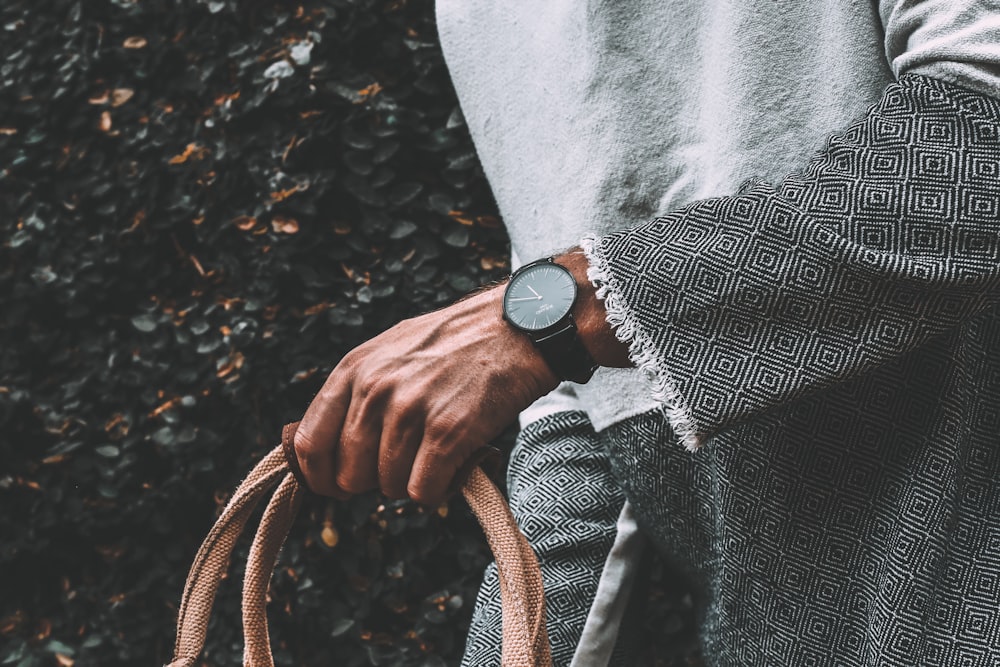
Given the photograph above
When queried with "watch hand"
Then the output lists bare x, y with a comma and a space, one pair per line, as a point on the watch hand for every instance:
537, 295
525, 298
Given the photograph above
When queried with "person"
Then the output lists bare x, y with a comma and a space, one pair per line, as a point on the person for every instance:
783, 222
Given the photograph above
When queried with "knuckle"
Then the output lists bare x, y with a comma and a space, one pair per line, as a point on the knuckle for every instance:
405, 400
371, 388
422, 495
428, 485
393, 470
438, 433
315, 459
349, 440
304, 441
351, 483
310, 454
392, 478
351, 358
346, 482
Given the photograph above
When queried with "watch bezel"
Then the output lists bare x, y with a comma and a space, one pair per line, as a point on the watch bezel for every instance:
562, 321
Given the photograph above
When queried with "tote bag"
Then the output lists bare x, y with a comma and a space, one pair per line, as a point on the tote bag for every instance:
525, 641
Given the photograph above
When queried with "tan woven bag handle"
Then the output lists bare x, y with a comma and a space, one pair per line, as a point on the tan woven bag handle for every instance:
525, 641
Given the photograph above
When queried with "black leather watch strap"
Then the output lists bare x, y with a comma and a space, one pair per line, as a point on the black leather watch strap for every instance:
566, 355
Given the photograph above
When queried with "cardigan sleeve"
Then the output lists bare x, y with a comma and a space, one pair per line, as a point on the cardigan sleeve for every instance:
737, 304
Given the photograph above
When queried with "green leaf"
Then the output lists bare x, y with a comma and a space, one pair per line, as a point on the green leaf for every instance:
56, 646
144, 323
341, 626
109, 451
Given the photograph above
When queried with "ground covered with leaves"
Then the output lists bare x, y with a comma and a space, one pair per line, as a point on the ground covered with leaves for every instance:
204, 204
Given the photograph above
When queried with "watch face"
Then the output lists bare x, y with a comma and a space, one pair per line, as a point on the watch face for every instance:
539, 296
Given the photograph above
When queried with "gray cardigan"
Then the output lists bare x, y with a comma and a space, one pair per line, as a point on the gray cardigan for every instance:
820, 316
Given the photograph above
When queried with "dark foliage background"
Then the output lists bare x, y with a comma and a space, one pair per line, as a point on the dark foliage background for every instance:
205, 204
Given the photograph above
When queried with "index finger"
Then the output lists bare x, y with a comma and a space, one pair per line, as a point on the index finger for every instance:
318, 435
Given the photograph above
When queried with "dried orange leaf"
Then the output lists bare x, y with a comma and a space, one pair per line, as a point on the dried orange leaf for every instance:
222, 99
120, 96
105, 123
11, 623
284, 225
244, 222
235, 362
137, 219
192, 151
44, 629
281, 195
489, 221
460, 217
163, 407
329, 535
134, 42
197, 265
368, 91
118, 422
304, 375
318, 308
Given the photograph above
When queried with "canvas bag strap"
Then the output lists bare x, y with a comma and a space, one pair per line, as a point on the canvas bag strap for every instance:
525, 641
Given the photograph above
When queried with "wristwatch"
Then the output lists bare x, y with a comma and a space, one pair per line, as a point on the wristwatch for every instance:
538, 302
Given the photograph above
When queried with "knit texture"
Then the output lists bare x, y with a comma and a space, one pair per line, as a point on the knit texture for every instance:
566, 502
835, 344
889, 239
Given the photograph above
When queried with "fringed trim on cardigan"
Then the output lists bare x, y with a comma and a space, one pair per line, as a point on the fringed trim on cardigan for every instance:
641, 349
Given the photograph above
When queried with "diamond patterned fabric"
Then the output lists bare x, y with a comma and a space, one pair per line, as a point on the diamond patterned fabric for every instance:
831, 346
831, 349
889, 239
567, 504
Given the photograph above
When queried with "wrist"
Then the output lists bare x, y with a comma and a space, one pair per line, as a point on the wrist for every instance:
591, 317
515, 346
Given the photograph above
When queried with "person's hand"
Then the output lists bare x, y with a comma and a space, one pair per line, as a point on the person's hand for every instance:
404, 411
